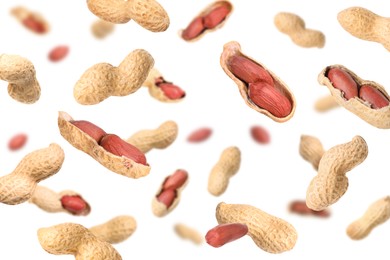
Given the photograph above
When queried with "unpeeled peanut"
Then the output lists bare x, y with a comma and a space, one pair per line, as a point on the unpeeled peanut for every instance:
189, 233
225, 233
101, 29
115, 230
19, 185
227, 166
311, 149
366, 25
147, 13
325, 104
74, 239
331, 182
159, 138
271, 234
31, 20
20, 73
294, 26
104, 80
376, 214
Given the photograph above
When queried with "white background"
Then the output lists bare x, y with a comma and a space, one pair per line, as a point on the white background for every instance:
270, 175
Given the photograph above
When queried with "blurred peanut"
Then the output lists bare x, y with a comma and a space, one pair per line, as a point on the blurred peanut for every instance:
19, 186
225, 233
159, 138
260, 134
31, 20
115, 230
147, 13
17, 142
58, 53
376, 214
330, 184
293, 25
311, 149
300, 207
74, 239
101, 29
20, 74
325, 104
200, 135
271, 234
189, 233
104, 80
366, 25
227, 166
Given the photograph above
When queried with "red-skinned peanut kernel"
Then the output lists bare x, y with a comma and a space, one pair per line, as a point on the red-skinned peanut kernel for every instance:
216, 16
225, 233
167, 197
172, 91
34, 25
176, 180
58, 53
200, 135
76, 205
90, 129
260, 134
17, 142
194, 29
343, 81
373, 96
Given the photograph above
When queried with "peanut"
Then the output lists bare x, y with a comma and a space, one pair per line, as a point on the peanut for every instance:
101, 29
90, 129
271, 234
227, 166
294, 26
210, 19
311, 149
74, 239
279, 101
81, 140
58, 53
225, 233
161, 89
168, 196
344, 82
17, 142
260, 134
187, 232
365, 25
376, 214
372, 103
20, 74
325, 103
19, 185
115, 230
65, 201
147, 13
330, 184
104, 80
299, 207
159, 138
200, 135
31, 20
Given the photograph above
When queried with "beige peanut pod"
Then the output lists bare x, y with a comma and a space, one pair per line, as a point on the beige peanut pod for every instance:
19, 185
147, 13
82, 141
376, 214
20, 73
311, 149
330, 184
104, 80
294, 26
379, 118
227, 166
100, 28
270, 233
159, 138
115, 230
325, 104
74, 239
189, 233
233, 48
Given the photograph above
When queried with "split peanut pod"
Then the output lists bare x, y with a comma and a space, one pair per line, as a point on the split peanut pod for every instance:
376, 214
100, 28
65, 201
116, 155
104, 80
115, 230
161, 89
212, 18
74, 239
260, 88
20, 74
168, 196
330, 184
18, 186
366, 99
189, 233
31, 20
325, 104
147, 13
159, 138
271, 234
227, 166
311, 149
366, 25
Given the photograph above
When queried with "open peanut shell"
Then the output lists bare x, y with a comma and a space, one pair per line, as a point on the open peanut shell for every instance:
82, 141
21, 14
379, 118
205, 11
233, 48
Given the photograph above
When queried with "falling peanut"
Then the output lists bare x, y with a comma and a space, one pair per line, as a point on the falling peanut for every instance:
311, 149
227, 166
330, 184
31, 20
225, 233
325, 104
17, 142
189, 233
200, 135
115, 230
300, 207
101, 29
